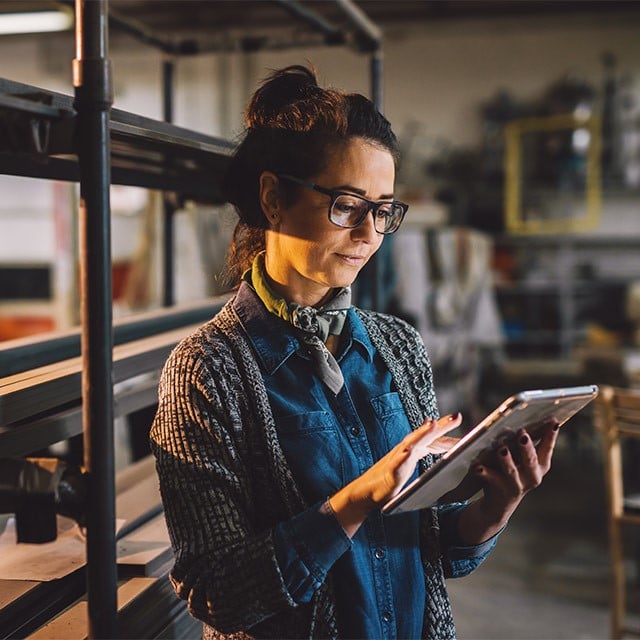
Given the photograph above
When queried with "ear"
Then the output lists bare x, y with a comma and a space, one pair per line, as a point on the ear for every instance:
269, 196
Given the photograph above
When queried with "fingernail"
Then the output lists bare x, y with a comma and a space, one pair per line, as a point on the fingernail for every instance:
454, 416
524, 439
479, 469
503, 452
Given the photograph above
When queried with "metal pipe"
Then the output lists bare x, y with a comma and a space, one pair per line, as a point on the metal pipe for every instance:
381, 258
370, 32
141, 32
329, 35
93, 100
168, 68
376, 63
332, 34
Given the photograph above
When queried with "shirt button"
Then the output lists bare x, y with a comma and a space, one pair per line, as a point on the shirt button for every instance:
355, 431
379, 553
386, 616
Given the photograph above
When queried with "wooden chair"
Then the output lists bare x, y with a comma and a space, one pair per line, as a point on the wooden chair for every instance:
618, 419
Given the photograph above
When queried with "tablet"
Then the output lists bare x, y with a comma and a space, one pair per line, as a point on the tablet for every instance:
533, 410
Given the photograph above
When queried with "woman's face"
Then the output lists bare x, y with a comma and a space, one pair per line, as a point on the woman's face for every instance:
306, 254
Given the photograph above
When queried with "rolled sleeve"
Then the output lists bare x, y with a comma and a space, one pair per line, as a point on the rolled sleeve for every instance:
460, 559
306, 548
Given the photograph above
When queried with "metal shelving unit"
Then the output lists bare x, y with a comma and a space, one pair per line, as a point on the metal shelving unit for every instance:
80, 138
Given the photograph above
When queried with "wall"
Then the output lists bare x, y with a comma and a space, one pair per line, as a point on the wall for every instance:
436, 74
449, 70
436, 77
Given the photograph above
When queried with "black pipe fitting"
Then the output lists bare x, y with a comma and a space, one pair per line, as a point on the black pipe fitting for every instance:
38, 489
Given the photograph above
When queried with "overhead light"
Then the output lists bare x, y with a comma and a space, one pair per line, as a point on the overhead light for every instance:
35, 22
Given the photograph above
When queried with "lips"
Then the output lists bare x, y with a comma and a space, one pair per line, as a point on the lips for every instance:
352, 259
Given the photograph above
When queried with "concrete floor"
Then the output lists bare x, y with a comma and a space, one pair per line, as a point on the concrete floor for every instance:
548, 577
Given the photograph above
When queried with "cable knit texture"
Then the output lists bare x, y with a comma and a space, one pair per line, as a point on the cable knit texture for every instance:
225, 483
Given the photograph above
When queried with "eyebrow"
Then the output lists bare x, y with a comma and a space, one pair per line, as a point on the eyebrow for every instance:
360, 192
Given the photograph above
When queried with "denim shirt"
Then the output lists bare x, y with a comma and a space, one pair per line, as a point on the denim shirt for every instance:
328, 441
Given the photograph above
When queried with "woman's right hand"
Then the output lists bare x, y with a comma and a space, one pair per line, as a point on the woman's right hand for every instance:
353, 503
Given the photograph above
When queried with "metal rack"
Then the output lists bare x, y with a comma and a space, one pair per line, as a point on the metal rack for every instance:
82, 139
144, 152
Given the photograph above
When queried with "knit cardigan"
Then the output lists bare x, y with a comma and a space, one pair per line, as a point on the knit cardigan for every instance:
225, 483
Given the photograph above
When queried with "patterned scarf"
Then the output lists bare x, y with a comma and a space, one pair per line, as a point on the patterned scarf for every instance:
316, 325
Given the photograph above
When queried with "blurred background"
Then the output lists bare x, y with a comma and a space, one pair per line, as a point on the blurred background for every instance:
518, 262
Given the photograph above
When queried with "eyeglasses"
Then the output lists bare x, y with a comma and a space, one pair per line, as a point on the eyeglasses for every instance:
348, 210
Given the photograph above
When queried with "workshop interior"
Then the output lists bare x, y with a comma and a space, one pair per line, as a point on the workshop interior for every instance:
518, 263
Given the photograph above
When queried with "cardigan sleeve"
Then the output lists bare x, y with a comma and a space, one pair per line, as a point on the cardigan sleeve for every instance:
307, 546
224, 568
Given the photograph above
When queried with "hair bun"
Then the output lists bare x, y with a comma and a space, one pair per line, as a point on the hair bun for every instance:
278, 102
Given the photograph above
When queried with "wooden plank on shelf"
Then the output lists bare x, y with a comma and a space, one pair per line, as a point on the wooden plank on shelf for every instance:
156, 613
139, 499
40, 350
146, 550
46, 388
72, 624
134, 473
33, 435
11, 590
147, 607
26, 605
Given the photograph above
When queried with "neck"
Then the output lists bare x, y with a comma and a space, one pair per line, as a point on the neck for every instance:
303, 297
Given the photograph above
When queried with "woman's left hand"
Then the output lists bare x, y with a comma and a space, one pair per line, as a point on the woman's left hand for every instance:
517, 470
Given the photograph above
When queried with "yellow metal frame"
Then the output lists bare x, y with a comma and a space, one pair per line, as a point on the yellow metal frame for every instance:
514, 221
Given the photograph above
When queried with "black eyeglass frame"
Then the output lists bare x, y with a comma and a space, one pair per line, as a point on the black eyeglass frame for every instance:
334, 194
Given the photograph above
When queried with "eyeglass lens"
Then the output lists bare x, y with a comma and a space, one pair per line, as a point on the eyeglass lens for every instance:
349, 211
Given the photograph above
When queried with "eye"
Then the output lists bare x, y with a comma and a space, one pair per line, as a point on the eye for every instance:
385, 210
347, 205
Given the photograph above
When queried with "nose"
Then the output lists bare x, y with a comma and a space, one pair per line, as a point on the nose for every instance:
366, 230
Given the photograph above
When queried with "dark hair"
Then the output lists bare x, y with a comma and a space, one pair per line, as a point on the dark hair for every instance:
291, 124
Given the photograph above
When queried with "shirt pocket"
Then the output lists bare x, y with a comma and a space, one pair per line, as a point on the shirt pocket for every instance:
313, 450
390, 413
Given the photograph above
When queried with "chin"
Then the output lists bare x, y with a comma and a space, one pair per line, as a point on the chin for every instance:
345, 277
342, 277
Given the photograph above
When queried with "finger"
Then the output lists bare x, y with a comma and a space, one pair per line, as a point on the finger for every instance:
443, 444
410, 439
508, 469
488, 476
547, 445
431, 429
436, 430
445, 422
496, 484
454, 419
529, 468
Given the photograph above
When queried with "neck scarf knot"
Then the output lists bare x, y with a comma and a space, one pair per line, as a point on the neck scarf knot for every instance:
315, 324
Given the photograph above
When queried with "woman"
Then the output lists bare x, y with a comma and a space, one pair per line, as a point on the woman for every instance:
288, 420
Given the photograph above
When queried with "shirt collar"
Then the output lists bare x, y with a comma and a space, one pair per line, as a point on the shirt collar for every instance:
359, 334
273, 338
